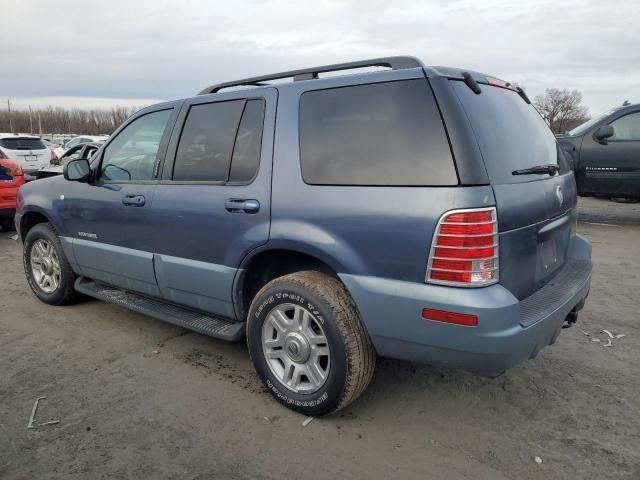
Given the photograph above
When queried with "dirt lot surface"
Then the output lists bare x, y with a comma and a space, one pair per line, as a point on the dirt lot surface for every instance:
137, 398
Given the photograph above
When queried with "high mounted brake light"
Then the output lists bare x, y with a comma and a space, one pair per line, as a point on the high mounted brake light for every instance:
464, 250
496, 82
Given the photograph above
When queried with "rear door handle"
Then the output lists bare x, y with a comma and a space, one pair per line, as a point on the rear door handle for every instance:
235, 205
133, 200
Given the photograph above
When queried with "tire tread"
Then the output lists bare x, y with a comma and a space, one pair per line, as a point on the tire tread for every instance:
361, 356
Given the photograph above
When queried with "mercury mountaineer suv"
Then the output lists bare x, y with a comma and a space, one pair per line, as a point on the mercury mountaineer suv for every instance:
414, 212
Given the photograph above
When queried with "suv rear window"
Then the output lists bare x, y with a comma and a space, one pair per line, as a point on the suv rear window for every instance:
21, 143
510, 132
377, 134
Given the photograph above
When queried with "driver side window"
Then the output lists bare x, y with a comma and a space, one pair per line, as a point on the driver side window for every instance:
627, 127
131, 156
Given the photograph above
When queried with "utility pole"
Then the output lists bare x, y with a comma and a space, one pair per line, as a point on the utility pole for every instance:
30, 121
10, 120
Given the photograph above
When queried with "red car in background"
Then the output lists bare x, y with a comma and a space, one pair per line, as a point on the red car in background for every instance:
11, 178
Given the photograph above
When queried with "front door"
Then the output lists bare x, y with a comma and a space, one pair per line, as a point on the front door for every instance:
613, 166
213, 204
109, 218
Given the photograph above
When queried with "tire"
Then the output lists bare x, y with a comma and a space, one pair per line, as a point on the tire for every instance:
7, 224
323, 379
63, 293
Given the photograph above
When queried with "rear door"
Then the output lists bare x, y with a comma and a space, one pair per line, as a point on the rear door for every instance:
213, 204
536, 212
612, 167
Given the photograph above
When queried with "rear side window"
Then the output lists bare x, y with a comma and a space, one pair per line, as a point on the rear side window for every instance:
510, 132
246, 152
206, 143
21, 143
376, 134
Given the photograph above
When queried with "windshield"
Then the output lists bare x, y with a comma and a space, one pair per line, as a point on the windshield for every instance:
583, 127
509, 131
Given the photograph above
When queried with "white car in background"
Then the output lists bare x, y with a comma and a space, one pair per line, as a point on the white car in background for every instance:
79, 140
27, 150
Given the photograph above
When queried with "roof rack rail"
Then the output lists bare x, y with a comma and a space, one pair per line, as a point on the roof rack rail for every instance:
395, 63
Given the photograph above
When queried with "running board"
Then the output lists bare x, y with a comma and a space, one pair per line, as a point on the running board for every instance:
168, 312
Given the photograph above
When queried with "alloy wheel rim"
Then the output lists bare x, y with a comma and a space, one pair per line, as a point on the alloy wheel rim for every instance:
296, 348
45, 266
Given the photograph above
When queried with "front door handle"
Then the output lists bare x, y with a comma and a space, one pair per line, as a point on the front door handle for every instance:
236, 205
133, 200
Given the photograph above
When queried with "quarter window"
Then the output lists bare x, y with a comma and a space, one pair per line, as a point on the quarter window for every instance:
131, 156
376, 134
627, 127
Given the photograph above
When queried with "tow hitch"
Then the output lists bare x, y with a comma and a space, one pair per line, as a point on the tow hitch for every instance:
571, 318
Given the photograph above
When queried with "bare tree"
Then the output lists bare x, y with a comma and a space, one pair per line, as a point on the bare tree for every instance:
59, 120
561, 109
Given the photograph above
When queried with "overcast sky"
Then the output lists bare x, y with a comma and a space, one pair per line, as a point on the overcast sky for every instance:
99, 53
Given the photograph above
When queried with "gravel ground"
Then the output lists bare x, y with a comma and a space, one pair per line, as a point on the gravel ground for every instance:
137, 398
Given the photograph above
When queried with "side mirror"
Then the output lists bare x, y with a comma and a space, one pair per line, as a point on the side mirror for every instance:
602, 133
77, 170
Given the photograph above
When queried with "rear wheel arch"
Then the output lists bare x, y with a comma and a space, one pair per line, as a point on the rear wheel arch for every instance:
268, 265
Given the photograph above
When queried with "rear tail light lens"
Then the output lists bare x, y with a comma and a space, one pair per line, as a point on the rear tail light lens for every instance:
11, 168
464, 251
54, 157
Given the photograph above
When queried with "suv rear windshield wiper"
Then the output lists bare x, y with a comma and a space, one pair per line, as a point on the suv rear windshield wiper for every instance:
550, 169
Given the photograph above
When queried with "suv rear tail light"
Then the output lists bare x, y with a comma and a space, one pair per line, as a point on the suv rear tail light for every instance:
54, 157
464, 250
11, 168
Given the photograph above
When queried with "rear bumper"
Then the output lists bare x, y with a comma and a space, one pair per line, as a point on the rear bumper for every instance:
508, 332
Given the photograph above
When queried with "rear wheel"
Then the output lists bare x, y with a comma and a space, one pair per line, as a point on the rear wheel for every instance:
46, 267
308, 344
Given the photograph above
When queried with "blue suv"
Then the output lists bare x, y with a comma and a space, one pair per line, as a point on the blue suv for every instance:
414, 212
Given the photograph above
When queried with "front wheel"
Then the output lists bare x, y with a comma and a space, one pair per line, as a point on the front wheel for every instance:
308, 344
47, 269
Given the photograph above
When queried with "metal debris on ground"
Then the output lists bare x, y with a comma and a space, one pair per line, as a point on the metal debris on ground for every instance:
31, 425
14, 237
307, 421
610, 336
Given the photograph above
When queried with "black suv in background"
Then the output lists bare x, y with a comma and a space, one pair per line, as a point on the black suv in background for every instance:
606, 153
